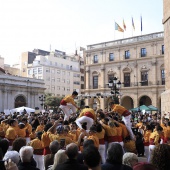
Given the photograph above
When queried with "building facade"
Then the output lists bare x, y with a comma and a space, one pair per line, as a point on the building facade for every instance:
138, 62
61, 73
165, 98
17, 91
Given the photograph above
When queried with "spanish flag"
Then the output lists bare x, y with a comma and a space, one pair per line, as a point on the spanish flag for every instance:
117, 27
124, 26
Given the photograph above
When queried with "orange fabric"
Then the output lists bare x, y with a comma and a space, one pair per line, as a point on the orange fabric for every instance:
22, 133
119, 134
88, 110
36, 144
146, 137
95, 139
125, 132
154, 138
28, 128
11, 133
68, 99
101, 134
32, 135
112, 139
45, 139
130, 146
40, 128
118, 109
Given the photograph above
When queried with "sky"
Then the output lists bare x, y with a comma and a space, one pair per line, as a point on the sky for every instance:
68, 24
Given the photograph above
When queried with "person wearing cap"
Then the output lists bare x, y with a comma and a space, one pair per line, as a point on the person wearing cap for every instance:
122, 111
87, 115
38, 150
93, 136
68, 103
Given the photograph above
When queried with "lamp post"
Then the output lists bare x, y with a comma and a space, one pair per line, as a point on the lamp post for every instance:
42, 99
115, 85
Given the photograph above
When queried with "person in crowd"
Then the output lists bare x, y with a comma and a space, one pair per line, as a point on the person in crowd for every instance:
18, 144
13, 155
28, 129
2, 166
100, 134
11, 132
139, 144
71, 162
155, 139
130, 159
26, 154
4, 145
129, 145
166, 132
111, 132
38, 150
45, 138
87, 115
21, 130
147, 133
68, 103
59, 158
116, 108
49, 158
10, 165
161, 156
114, 158
40, 128
32, 134
92, 158
144, 166
92, 135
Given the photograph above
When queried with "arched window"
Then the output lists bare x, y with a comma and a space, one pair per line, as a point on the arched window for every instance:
20, 101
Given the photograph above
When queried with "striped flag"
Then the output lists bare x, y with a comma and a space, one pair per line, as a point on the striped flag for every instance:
117, 27
124, 25
133, 25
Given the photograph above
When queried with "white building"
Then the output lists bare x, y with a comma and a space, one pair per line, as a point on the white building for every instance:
60, 72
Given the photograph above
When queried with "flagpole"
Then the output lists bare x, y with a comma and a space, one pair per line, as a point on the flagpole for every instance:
141, 24
114, 30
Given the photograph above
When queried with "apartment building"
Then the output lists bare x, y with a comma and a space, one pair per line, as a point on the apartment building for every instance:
61, 73
137, 62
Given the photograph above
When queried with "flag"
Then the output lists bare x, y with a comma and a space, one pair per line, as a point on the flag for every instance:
133, 25
124, 26
117, 27
141, 23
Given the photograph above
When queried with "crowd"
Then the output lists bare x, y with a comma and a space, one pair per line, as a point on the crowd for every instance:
84, 139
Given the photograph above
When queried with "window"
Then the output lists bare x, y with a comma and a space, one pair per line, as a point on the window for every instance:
68, 81
68, 88
126, 79
82, 78
76, 82
127, 54
63, 72
58, 79
95, 82
48, 78
144, 78
68, 73
51, 63
95, 59
29, 72
111, 57
163, 76
58, 71
143, 52
47, 70
71, 67
40, 70
110, 77
53, 79
53, 71
55, 63
39, 77
53, 88
63, 80
58, 87
162, 49
82, 86
35, 71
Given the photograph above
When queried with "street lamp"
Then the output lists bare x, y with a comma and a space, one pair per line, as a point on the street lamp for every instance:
42, 99
115, 85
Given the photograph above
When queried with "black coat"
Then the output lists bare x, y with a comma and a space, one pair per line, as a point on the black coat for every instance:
71, 164
109, 166
26, 166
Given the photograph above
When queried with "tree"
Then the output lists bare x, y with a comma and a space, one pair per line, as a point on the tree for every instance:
52, 101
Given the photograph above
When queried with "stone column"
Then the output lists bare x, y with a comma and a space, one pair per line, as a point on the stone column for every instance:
102, 82
165, 97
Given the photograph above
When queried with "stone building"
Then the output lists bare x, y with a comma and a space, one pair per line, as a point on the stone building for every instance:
138, 62
165, 98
